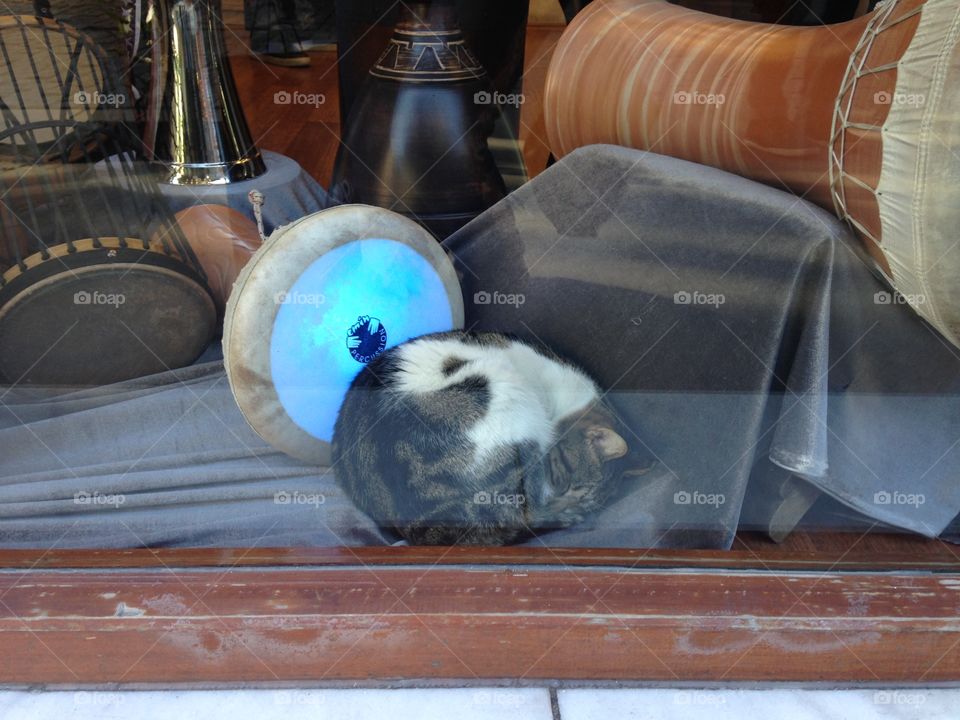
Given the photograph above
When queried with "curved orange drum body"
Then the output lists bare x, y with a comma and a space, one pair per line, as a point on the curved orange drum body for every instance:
860, 117
224, 240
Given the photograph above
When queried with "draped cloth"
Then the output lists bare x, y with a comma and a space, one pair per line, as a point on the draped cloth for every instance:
737, 330
742, 337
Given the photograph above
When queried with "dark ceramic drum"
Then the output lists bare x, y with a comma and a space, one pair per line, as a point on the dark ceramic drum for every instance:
416, 138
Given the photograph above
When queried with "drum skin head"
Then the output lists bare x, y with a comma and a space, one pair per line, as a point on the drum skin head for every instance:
103, 323
323, 296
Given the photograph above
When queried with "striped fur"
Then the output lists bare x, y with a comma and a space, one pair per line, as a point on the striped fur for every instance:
458, 438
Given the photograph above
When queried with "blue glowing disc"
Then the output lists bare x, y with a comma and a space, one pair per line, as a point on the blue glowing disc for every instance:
320, 299
345, 309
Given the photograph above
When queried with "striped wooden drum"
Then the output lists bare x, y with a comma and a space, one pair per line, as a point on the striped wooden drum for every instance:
860, 117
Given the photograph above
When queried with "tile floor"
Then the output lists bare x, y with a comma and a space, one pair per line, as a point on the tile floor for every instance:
483, 703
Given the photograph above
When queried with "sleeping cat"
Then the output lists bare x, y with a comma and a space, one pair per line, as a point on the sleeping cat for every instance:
458, 438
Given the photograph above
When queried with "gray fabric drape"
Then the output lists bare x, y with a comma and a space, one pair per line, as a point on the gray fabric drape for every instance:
739, 331
742, 339
164, 460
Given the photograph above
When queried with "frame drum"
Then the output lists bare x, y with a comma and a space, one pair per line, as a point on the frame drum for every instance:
99, 311
321, 298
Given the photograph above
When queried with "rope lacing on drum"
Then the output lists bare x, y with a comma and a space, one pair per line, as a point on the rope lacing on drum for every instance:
257, 200
841, 113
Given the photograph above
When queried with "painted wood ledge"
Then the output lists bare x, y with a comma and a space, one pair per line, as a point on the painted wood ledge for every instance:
478, 621
803, 551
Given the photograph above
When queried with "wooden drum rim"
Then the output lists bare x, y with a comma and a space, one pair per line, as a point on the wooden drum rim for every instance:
55, 252
250, 317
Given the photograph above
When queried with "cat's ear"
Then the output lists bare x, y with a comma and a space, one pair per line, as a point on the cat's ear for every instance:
607, 443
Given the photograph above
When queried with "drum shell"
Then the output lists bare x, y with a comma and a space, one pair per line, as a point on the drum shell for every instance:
416, 137
440, 173
195, 124
901, 103
223, 239
750, 98
99, 313
817, 111
253, 309
862, 109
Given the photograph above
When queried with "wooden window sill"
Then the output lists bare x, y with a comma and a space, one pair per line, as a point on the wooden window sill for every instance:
849, 610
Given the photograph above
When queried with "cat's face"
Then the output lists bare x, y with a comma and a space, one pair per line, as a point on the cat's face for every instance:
581, 470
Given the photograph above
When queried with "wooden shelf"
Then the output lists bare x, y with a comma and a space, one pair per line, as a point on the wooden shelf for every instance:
861, 609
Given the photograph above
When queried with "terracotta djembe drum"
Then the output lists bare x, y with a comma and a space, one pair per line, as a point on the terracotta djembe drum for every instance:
416, 137
860, 117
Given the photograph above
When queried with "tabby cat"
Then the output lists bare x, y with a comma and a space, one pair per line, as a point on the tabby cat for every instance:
458, 438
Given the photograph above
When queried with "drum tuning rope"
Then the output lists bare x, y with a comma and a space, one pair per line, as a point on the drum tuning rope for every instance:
256, 199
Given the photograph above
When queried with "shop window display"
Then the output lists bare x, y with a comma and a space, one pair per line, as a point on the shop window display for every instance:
434, 277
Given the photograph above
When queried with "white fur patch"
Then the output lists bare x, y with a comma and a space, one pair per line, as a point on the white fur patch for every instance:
529, 393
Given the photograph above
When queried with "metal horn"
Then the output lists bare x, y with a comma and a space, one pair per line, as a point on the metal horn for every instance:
195, 124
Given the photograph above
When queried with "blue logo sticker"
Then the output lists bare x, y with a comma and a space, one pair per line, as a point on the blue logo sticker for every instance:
366, 339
